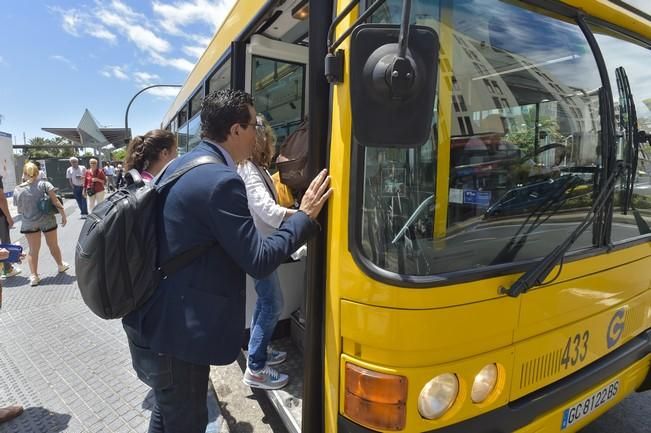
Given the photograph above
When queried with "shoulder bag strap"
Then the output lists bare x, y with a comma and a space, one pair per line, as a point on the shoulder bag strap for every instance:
268, 181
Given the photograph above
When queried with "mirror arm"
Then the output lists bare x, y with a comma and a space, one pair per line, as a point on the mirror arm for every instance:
404, 29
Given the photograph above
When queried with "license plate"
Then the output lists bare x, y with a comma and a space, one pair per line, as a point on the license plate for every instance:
573, 414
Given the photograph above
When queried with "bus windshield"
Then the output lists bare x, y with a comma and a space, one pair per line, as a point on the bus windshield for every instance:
514, 152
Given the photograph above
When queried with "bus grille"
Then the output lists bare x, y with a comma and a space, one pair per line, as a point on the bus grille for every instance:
540, 368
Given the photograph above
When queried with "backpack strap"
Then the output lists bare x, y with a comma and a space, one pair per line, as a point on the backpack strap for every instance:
182, 260
188, 256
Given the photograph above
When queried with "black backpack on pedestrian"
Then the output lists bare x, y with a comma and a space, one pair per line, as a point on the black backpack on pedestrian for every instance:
117, 252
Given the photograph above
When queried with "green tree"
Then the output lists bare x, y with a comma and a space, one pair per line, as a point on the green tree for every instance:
38, 149
119, 154
47, 148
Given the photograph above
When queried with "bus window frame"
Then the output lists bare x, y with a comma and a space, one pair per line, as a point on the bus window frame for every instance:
603, 245
588, 20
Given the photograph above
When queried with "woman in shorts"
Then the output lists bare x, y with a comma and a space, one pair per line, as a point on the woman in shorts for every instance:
34, 222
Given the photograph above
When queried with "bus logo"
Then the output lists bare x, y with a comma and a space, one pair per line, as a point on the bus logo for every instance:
615, 328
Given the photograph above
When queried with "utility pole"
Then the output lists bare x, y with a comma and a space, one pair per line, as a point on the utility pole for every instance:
127, 134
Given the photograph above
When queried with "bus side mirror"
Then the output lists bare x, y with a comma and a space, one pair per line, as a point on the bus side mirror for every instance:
392, 97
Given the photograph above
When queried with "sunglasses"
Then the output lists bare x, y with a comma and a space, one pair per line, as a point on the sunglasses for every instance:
256, 125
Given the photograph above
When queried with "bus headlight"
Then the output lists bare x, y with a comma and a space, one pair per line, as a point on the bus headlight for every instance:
484, 383
438, 395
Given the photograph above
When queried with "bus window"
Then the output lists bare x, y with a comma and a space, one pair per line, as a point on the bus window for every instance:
182, 138
508, 172
182, 133
194, 132
221, 79
277, 87
619, 51
195, 102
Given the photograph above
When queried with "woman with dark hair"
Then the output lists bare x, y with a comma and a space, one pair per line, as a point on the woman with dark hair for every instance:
150, 153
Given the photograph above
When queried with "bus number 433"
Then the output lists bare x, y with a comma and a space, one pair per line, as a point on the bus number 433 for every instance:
576, 349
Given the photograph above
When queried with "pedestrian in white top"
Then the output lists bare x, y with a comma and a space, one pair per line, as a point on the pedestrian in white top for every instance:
109, 171
76, 174
267, 217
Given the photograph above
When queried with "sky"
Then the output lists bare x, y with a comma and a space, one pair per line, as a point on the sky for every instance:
60, 57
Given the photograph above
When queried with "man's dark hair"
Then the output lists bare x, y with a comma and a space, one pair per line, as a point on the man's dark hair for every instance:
222, 109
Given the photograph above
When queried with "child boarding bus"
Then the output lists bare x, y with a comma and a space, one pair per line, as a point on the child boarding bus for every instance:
485, 262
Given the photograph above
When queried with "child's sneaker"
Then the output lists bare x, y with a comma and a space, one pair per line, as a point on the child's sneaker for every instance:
34, 280
63, 267
13, 272
275, 357
267, 378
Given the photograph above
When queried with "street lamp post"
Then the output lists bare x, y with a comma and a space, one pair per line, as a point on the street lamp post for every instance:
127, 135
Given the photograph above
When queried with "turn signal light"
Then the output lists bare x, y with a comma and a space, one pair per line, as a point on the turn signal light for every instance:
375, 399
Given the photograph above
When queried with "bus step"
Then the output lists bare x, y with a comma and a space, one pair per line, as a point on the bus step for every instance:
288, 401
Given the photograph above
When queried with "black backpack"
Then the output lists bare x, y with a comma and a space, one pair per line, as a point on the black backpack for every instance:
116, 257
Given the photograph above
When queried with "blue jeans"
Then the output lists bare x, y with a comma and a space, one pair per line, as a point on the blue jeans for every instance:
180, 389
265, 316
78, 191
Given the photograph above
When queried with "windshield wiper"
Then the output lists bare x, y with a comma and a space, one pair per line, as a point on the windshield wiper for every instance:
536, 276
633, 139
517, 241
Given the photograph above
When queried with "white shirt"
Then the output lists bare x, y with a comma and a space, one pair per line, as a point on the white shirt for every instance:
76, 175
267, 214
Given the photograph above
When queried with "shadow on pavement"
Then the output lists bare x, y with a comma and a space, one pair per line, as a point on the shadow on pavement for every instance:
17, 281
36, 419
234, 426
23, 280
58, 279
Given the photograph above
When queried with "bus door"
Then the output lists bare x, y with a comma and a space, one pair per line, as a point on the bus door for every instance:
276, 76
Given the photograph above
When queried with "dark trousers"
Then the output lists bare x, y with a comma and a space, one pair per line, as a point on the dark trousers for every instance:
180, 389
4, 238
78, 191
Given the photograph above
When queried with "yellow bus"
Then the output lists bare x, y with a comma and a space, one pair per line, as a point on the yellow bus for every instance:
484, 264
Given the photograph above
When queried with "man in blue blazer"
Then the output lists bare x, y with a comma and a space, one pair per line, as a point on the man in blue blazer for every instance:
196, 316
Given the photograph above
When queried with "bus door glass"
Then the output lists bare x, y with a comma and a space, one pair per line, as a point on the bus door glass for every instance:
277, 77
508, 172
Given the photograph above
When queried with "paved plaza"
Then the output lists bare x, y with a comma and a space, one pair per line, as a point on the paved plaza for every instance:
70, 369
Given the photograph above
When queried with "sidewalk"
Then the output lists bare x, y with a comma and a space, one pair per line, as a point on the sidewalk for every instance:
70, 369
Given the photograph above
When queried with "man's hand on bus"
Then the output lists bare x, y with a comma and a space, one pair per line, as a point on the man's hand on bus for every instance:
316, 195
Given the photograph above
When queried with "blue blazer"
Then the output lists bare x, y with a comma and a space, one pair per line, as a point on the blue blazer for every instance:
197, 314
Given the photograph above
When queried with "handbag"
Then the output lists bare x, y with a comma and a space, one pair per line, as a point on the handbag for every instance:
45, 204
90, 191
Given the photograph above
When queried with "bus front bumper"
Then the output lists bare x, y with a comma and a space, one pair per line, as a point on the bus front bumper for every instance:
543, 411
